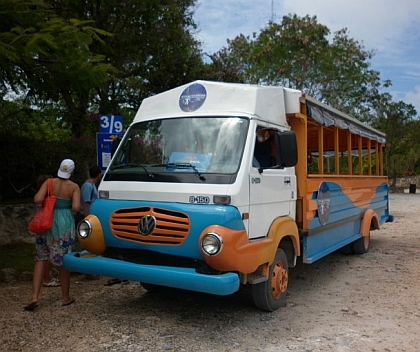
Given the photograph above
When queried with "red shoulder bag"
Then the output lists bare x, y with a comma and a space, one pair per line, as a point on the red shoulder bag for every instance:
43, 218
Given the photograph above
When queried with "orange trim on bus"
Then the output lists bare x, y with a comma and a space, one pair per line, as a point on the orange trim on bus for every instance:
241, 255
95, 243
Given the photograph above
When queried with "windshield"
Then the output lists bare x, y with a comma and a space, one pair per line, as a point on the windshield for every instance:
198, 146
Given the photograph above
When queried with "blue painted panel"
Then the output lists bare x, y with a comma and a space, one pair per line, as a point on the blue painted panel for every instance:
336, 233
318, 246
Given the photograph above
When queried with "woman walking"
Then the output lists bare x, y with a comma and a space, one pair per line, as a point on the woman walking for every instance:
54, 244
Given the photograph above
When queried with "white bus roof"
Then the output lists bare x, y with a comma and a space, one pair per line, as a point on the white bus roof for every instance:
206, 98
267, 103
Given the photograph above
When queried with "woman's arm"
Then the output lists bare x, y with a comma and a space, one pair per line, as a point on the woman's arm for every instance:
41, 194
75, 200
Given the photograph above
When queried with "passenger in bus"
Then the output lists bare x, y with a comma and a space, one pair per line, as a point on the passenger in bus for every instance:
265, 151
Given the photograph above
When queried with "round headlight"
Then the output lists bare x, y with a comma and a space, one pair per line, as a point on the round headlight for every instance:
84, 229
211, 243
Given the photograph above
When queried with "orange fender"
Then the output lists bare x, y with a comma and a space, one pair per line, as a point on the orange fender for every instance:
245, 256
370, 219
95, 243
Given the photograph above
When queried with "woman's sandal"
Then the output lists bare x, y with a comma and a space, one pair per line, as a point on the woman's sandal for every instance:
31, 306
53, 283
72, 300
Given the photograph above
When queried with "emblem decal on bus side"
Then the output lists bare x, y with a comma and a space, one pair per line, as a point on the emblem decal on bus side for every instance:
324, 203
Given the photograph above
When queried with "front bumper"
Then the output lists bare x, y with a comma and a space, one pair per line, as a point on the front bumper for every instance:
177, 277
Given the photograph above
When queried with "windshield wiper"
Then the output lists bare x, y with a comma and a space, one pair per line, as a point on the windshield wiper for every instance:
185, 166
130, 165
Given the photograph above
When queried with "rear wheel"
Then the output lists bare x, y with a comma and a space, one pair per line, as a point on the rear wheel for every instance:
362, 245
271, 294
347, 249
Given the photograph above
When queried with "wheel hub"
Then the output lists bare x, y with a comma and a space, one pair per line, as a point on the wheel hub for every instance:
279, 280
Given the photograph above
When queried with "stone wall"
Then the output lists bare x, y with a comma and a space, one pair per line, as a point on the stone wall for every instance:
406, 185
407, 181
14, 221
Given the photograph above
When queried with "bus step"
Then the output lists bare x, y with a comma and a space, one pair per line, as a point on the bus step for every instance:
255, 278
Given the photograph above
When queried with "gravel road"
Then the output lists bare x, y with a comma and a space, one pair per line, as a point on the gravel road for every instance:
365, 302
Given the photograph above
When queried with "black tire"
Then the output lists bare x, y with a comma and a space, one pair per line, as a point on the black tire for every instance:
362, 245
152, 288
347, 249
271, 294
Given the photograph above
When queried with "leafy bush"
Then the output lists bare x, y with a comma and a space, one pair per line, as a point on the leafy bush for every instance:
25, 159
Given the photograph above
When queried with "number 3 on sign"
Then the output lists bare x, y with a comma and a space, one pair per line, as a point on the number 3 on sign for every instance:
111, 124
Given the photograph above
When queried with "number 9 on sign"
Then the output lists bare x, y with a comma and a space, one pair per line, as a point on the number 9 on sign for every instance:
111, 124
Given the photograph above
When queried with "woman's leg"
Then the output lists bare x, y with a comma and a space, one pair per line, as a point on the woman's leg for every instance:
47, 275
38, 276
65, 286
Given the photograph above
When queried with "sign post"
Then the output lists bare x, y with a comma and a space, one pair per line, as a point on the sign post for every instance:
111, 126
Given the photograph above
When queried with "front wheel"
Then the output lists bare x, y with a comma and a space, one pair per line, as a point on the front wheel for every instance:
271, 294
152, 288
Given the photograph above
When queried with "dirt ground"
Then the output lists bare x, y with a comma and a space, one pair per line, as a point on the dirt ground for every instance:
365, 302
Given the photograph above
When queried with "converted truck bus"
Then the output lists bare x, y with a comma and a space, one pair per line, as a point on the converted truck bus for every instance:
219, 185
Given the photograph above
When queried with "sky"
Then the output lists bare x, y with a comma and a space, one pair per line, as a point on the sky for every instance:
390, 28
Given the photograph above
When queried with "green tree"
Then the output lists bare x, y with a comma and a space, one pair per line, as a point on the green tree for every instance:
48, 60
299, 53
92, 57
63, 62
18, 119
226, 65
397, 121
152, 48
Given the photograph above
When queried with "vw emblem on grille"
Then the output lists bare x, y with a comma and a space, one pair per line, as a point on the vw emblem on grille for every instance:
146, 225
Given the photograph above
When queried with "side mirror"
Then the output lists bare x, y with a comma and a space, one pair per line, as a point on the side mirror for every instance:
286, 149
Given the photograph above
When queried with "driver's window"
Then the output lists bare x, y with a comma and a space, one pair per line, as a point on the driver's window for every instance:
265, 148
